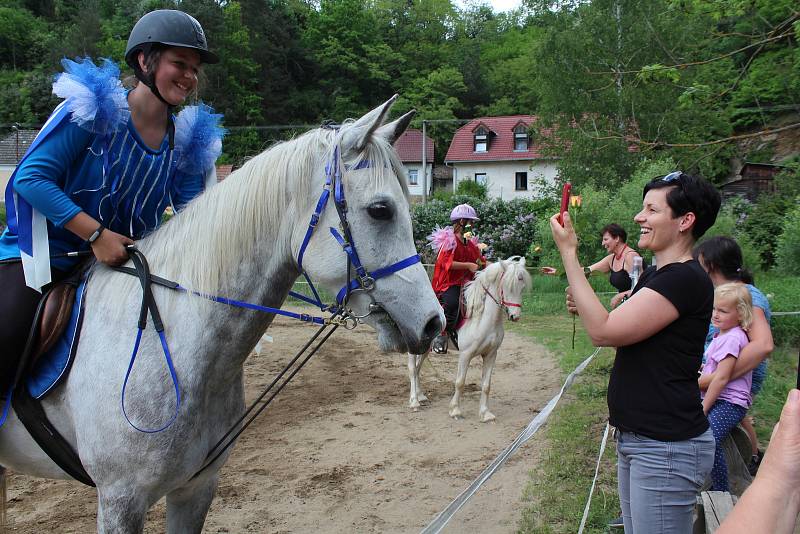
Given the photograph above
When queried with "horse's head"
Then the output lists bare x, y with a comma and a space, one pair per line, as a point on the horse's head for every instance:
514, 280
362, 247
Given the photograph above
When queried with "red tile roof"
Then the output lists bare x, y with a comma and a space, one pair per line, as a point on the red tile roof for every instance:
223, 171
501, 144
409, 147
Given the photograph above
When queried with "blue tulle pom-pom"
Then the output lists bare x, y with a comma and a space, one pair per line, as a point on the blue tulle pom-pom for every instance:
94, 94
198, 138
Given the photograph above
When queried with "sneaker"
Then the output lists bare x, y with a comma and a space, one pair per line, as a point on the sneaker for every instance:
755, 461
616, 523
439, 344
454, 339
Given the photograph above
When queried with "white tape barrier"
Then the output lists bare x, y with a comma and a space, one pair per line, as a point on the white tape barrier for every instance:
778, 314
594, 481
445, 515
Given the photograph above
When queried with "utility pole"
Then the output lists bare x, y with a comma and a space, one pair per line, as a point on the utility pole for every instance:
425, 162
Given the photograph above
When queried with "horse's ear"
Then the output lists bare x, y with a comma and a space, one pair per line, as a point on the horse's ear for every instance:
522, 260
358, 134
395, 129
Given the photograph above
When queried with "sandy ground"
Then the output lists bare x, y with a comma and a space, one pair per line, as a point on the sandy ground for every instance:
339, 450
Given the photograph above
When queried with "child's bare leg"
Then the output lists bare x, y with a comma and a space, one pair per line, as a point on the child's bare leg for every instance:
747, 424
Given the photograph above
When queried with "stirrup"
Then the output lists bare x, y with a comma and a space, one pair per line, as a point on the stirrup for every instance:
439, 345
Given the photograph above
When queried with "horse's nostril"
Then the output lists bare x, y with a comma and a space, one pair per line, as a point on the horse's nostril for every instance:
432, 328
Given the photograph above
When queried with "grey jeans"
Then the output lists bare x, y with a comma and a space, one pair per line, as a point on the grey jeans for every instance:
659, 481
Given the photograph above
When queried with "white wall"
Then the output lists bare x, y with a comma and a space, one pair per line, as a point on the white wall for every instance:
501, 176
416, 190
5, 174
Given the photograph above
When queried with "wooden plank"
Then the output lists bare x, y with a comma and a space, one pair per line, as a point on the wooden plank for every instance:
716, 506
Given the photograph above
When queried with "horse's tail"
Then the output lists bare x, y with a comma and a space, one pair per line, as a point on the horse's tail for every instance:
2, 499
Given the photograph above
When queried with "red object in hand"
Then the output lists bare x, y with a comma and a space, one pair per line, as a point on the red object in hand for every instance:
564, 202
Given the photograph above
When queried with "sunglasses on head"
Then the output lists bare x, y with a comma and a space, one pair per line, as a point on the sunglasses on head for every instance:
672, 177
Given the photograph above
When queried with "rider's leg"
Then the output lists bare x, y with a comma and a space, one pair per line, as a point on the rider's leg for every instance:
450, 300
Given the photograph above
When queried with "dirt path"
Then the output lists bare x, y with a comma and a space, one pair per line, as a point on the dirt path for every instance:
339, 451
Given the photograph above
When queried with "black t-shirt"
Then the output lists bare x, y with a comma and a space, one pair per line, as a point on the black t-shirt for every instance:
653, 388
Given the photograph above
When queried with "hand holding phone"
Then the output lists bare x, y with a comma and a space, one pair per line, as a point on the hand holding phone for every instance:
565, 191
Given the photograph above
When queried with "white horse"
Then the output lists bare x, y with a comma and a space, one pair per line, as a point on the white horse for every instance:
494, 293
240, 239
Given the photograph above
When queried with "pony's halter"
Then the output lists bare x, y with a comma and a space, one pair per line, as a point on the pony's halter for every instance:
363, 280
502, 303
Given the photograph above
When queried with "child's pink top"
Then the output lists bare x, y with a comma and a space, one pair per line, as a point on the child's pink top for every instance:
730, 343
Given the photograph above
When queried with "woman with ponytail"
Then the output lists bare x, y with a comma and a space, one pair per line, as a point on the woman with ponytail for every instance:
721, 257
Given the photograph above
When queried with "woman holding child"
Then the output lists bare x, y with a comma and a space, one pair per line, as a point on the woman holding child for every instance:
721, 257
665, 448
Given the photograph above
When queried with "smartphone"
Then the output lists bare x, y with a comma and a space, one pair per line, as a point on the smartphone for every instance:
565, 191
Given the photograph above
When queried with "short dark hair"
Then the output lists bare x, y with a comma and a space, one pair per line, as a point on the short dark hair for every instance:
689, 194
723, 255
615, 230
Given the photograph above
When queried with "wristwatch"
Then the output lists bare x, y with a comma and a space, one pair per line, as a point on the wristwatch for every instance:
96, 234
587, 271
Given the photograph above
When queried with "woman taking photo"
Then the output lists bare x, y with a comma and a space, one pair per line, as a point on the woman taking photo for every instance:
665, 448
105, 166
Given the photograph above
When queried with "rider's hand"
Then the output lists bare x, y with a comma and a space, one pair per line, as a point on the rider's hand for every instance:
110, 249
472, 266
617, 299
571, 307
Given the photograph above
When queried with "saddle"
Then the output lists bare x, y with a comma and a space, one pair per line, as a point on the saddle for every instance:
50, 321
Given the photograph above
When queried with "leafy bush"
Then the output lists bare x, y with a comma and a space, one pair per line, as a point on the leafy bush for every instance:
2, 217
765, 222
788, 247
508, 228
472, 189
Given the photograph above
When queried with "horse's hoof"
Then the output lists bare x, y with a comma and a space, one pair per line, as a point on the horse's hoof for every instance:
487, 417
422, 398
414, 406
455, 413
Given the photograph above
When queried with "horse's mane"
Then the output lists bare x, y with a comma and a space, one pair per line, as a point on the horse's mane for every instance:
202, 246
489, 278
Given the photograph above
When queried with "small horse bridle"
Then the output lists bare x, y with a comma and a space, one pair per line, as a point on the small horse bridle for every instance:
503, 304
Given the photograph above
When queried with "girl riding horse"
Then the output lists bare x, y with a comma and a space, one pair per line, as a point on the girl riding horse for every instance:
456, 262
105, 167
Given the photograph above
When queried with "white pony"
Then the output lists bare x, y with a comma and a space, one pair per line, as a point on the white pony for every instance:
240, 239
494, 293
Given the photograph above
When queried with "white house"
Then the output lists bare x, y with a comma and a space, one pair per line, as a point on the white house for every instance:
409, 148
498, 151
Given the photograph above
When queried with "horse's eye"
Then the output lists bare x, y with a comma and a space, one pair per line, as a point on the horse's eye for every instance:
380, 210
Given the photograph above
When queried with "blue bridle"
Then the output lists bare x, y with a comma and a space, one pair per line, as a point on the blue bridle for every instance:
363, 280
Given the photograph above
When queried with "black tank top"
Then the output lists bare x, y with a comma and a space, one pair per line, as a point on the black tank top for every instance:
621, 280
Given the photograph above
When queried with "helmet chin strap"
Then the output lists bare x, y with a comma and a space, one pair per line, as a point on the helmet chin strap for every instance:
150, 82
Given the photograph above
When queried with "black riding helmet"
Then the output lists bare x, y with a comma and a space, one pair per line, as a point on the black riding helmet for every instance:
167, 27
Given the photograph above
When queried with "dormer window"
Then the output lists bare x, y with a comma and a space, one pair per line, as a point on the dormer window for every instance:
520, 138
481, 139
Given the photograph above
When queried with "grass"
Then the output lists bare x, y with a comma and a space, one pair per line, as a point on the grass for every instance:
558, 487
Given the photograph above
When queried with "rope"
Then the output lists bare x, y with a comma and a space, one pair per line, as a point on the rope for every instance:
594, 480
445, 515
